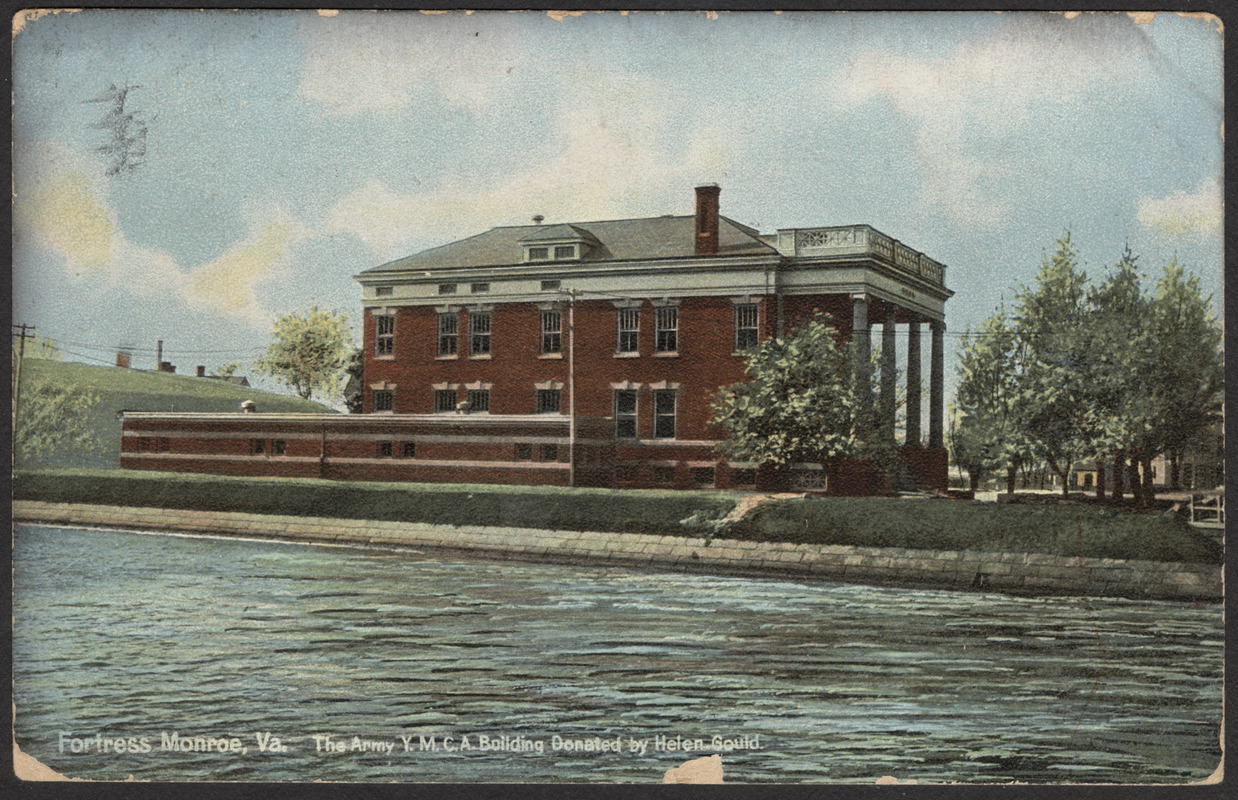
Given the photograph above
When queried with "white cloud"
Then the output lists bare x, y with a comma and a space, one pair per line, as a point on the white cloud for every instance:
972, 110
612, 162
377, 61
1181, 214
61, 204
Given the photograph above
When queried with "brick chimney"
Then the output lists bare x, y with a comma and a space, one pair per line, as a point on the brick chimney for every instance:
201, 371
707, 219
122, 359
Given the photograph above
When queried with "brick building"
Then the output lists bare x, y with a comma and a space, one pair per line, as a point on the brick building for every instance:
587, 354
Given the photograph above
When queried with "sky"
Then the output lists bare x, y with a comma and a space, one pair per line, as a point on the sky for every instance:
285, 152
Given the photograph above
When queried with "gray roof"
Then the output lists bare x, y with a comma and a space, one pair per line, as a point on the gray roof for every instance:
617, 240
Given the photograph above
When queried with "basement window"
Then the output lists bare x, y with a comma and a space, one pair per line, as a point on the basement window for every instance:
279, 447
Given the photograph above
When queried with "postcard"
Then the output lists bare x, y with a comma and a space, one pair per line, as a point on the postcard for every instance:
626, 397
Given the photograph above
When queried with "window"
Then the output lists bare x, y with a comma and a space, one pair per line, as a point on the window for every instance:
479, 333
565, 251
444, 400
548, 452
664, 414
666, 325
548, 401
479, 288
384, 335
479, 400
663, 475
552, 326
629, 331
259, 446
539, 253
446, 288
279, 447
382, 291
625, 414
447, 330
746, 331
550, 286
384, 449
410, 450
524, 451
384, 400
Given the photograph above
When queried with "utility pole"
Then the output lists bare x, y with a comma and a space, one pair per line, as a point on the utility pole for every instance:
571, 386
23, 331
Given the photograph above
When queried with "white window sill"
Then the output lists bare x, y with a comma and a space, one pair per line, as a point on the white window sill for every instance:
479, 357
448, 357
551, 356
628, 355
387, 357
671, 354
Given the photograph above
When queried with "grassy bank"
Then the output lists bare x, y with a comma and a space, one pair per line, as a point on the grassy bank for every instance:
1065, 530
441, 504
864, 522
135, 390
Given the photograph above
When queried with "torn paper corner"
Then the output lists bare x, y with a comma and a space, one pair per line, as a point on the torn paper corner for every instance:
699, 770
29, 768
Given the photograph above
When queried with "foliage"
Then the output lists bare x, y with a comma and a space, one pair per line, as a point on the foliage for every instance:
1054, 399
799, 404
136, 390
41, 347
1186, 376
1086, 371
985, 425
54, 418
228, 370
309, 352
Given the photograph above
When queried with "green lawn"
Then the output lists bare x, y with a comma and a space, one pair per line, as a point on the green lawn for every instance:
1068, 530
136, 390
869, 522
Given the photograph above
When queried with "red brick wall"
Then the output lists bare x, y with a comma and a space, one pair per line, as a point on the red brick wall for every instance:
705, 359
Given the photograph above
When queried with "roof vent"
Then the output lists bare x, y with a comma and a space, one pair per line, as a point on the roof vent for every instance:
537, 219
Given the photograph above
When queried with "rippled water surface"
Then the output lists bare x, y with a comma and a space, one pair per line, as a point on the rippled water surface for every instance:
124, 636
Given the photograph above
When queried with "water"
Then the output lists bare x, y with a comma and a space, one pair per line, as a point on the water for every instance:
124, 635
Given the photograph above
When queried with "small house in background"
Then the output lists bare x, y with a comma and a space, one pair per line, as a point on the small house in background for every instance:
123, 359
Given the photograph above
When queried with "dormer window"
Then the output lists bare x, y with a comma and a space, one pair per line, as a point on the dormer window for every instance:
558, 243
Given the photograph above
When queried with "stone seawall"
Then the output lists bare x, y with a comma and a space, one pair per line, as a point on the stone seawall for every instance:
1013, 573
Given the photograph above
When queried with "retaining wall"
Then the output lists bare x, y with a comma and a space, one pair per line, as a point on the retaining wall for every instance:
1013, 573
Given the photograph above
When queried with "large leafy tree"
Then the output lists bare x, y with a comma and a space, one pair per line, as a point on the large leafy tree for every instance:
309, 352
986, 432
1055, 389
800, 403
1118, 361
53, 419
1186, 374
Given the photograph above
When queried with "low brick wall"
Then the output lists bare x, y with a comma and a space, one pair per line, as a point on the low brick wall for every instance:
1013, 573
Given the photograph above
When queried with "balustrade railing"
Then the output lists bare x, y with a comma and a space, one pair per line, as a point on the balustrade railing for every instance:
861, 240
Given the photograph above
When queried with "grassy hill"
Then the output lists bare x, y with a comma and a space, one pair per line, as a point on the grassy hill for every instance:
135, 390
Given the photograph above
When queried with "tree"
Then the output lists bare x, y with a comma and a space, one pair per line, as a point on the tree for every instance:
800, 403
1055, 402
986, 428
1185, 379
228, 370
1118, 348
53, 419
308, 352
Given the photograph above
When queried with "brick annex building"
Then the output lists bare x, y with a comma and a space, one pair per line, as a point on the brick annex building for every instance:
586, 354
